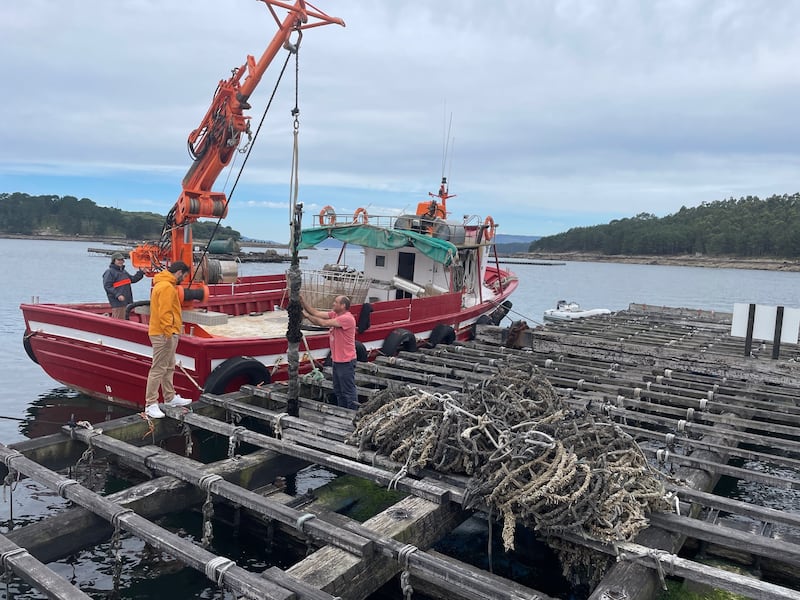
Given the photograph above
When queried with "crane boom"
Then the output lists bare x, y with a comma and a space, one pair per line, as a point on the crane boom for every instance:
213, 143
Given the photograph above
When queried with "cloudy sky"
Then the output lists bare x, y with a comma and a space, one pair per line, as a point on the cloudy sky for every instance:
554, 113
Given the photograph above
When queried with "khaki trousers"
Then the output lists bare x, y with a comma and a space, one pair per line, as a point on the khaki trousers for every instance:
162, 369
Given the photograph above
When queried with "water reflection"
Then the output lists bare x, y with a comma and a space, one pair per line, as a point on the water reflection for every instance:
62, 406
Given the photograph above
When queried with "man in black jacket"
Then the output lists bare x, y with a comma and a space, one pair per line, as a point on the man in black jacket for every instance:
117, 283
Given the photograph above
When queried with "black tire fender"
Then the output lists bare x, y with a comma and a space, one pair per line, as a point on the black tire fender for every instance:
397, 340
500, 312
26, 343
134, 305
442, 334
362, 355
482, 320
235, 372
364, 320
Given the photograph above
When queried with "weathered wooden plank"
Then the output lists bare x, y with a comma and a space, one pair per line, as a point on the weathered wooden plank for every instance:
725, 536
217, 568
412, 523
738, 507
194, 472
36, 574
75, 528
335, 463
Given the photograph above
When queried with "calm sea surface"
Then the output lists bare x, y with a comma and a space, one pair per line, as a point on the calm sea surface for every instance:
67, 272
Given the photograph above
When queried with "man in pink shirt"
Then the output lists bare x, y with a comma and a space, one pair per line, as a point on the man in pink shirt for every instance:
342, 337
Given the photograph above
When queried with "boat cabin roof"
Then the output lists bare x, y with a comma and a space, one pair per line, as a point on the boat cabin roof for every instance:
382, 238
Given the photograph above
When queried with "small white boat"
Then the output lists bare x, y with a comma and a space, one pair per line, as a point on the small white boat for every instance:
570, 311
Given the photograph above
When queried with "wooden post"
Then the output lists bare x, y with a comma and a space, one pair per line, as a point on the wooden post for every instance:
776, 340
748, 340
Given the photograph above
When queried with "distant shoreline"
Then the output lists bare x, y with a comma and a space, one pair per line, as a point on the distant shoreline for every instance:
120, 241
710, 262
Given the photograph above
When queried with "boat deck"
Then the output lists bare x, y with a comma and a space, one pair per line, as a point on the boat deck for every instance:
271, 324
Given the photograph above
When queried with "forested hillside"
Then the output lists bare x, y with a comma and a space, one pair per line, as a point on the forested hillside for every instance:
747, 227
22, 214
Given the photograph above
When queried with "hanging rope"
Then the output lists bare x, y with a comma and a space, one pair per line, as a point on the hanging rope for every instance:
295, 310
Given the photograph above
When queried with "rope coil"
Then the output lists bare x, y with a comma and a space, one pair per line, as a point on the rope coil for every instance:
529, 457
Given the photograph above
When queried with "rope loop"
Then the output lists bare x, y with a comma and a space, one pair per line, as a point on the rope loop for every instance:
216, 567
233, 440
656, 556
204, 483
404, 554
302, 519
6, 556
278, 426
703, 404
12, 454
63, 484
121, 516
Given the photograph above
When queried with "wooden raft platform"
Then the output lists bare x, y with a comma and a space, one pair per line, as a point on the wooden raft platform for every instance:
672, 378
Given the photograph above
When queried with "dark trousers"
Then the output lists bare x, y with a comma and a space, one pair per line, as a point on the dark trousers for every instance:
344, 384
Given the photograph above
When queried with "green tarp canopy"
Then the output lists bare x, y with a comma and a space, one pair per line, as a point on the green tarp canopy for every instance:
381, 238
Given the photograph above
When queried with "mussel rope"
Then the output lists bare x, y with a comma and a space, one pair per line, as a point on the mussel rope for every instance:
293, 334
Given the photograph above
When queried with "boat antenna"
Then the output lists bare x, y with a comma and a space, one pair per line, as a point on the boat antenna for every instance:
452, 154
446, 142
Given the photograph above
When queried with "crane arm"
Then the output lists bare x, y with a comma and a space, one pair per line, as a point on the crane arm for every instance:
213, 143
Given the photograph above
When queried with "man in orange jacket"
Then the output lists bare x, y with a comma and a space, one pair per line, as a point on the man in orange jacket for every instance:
165, 327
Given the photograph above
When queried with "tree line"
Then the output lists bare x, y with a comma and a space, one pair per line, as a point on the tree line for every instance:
22, 214
747, 227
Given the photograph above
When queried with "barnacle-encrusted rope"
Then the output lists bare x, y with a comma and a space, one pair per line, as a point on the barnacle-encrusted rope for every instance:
533, 460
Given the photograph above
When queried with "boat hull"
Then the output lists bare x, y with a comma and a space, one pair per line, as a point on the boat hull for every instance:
80, 346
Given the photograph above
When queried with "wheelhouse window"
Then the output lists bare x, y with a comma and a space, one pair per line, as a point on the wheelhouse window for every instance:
380, 260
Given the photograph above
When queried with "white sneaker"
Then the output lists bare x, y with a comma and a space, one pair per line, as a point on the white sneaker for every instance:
154, 412
179, 401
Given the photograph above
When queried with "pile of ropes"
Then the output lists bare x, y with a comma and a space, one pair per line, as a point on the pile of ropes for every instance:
531, 459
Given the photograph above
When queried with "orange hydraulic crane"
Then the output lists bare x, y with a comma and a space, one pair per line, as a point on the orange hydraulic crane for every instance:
213, 143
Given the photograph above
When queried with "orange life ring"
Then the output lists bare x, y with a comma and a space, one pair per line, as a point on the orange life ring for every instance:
327, 216
361, 214
488, 228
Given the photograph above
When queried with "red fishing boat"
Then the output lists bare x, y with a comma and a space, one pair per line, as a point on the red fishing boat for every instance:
425, 279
